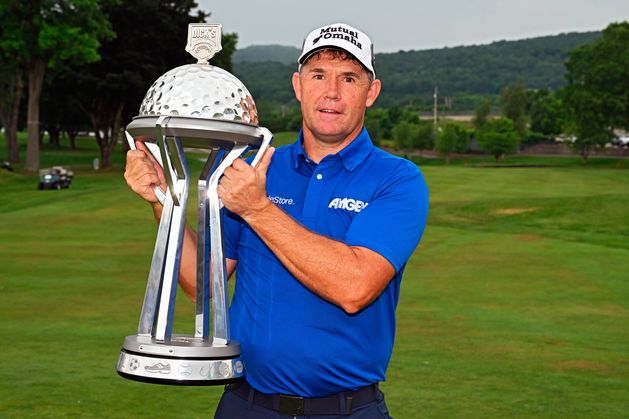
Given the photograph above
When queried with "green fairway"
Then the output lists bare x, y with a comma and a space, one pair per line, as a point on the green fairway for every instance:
516, 303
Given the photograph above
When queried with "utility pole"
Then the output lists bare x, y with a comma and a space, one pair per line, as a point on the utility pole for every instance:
447, 105
434, 108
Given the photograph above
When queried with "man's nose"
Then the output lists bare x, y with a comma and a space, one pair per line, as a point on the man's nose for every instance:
332, 88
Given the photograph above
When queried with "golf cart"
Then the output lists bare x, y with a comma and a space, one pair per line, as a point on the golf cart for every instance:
56, 177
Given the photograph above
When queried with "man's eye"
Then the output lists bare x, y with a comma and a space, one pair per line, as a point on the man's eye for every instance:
318, 77
349, 80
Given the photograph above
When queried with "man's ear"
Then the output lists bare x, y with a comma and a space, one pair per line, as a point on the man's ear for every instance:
374, 91
297, 86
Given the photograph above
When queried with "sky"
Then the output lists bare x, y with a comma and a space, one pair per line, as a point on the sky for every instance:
395, 25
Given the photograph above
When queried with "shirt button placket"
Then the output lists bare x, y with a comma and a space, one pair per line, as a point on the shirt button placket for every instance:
314, 195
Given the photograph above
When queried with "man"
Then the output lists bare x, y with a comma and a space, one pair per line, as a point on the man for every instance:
319, 233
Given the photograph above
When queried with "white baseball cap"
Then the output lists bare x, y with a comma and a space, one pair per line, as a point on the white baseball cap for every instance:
340, 36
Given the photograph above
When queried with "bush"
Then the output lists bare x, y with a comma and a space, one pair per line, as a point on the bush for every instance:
499, 137
453, 138
413, 136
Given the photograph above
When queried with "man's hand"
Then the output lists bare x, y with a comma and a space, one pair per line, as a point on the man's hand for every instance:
242, 188
143, 173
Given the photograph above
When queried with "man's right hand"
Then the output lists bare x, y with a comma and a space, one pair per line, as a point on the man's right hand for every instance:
143, 173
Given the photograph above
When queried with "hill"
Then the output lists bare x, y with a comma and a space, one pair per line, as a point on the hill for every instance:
409, 77
256, 53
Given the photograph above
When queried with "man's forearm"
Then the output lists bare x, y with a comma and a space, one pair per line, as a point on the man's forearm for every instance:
350, 277
187, 270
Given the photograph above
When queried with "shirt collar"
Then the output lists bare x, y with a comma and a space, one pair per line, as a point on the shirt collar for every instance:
357, 151
300, 153
351, 156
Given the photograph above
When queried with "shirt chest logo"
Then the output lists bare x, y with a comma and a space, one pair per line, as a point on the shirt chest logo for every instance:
280, 200
348, 204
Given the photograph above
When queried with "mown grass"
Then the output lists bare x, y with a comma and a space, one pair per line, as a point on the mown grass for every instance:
514, 305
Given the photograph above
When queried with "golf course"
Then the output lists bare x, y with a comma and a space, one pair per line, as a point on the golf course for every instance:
514, 305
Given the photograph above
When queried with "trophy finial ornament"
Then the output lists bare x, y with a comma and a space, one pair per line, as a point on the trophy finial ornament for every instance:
204, 41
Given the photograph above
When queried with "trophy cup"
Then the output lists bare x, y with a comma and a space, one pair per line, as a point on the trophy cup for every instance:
203, 107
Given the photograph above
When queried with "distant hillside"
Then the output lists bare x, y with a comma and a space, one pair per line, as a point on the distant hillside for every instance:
255, 53
409, 77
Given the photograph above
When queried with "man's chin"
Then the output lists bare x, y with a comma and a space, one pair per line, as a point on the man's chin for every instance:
330, 137
328, 130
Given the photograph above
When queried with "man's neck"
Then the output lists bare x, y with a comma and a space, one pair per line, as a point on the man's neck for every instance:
316, 149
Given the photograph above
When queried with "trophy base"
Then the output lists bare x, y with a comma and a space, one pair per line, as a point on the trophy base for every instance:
182, 360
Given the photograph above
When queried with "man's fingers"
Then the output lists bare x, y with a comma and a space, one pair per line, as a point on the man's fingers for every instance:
143, 172
135, 154
228, 173
150, 178
158, 167
141, 146
264, 163
141, 180
239, 164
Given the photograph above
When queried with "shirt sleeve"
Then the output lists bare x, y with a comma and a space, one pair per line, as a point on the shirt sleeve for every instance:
232, 226
393, 221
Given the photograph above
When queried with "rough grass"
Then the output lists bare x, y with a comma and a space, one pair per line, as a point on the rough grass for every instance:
514, 305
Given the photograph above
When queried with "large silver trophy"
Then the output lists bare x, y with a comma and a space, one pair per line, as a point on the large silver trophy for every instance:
203, 107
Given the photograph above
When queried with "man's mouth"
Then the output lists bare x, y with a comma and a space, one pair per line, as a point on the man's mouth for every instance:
328, 111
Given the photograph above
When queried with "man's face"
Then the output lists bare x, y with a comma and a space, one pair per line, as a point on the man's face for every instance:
334, 94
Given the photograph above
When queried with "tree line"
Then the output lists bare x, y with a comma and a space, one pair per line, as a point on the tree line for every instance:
467, 74
69, 65
86, 65
584, 110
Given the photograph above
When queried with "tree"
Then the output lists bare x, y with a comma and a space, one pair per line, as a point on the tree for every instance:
410, 136
378, 124
451, 139
499, 137
50, 33
403, 133
597, 94
586, 125
279, 117
111, 91
546, 113
424, 138
515, 103
381, 121
373, 128
11, 85
60, 109
11, 80
481, 114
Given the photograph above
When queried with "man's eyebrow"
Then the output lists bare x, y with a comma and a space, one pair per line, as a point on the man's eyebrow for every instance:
351, 74
319, 70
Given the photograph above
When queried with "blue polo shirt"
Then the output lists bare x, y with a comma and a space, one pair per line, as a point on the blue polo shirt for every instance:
293, 341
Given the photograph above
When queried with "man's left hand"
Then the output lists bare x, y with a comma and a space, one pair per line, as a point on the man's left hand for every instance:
242, 188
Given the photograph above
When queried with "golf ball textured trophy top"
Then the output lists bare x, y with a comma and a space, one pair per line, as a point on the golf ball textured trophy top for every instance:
203, 107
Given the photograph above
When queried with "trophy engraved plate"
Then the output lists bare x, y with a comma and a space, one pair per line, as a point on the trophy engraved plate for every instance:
206, 108
204, 41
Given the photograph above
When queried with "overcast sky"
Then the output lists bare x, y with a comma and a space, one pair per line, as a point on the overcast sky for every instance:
395, 25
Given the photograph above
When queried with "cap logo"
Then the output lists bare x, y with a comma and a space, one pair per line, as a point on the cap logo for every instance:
338, 32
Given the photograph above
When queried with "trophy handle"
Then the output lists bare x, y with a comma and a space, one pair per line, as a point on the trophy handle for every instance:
267, 137
154, 149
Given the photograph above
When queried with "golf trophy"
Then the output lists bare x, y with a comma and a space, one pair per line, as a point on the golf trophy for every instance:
206, 108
